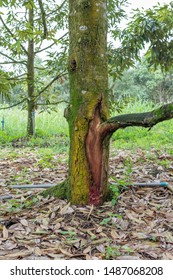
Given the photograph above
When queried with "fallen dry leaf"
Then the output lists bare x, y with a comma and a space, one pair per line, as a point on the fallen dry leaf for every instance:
4, 233
139, 226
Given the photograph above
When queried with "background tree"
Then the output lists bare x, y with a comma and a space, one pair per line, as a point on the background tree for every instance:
142, 84
25, 26
150, 29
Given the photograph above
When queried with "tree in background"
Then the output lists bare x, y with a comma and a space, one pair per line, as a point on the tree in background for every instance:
150, 29
25, 26
141, 83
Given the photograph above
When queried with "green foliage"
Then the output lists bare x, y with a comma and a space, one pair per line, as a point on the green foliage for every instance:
70, 235
151, 29
46, 160
153, 26
6, 85
5, 138
113, 251
3, 3
47, 123
142, 85
120, 185
115, 192
116, 12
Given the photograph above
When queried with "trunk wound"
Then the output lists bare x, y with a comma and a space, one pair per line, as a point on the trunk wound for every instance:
94, 153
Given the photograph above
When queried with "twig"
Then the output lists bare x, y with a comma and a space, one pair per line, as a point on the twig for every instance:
17, 77
40, 68
91, 210
52, 103
11, 106
41, 50
54, 79
12, 59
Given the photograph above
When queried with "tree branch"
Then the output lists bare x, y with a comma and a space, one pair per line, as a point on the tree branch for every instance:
12, 59
14, 105
146, 119
44, 49
17, 77
40, 68
48, 85
41, 50
45, 33
62, 4
53, 103
12, 35
54, 11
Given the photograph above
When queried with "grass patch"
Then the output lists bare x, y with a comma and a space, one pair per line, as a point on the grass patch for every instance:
52, 131
46, 123
161, 135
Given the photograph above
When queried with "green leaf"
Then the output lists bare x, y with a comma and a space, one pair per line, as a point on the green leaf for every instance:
13, 2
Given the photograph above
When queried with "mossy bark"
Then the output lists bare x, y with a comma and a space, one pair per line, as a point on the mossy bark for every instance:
88, 100
145, 119
61, 190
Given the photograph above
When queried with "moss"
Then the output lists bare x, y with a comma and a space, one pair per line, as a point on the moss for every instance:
78, 167
60, 191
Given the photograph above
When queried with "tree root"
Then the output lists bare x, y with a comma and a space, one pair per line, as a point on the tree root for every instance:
61, 191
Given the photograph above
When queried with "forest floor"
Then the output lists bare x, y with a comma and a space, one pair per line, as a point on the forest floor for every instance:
138, 224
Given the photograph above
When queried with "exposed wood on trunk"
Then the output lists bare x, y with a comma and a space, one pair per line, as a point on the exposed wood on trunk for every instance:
94, 153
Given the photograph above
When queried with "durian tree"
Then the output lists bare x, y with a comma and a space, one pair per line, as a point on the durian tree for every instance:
90, 126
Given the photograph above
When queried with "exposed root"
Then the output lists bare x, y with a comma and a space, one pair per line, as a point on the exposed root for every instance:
61, 191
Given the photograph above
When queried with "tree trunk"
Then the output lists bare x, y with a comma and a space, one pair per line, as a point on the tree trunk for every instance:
30, 79
88, 163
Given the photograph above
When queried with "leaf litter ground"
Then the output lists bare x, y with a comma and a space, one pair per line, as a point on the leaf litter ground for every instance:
138, 226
